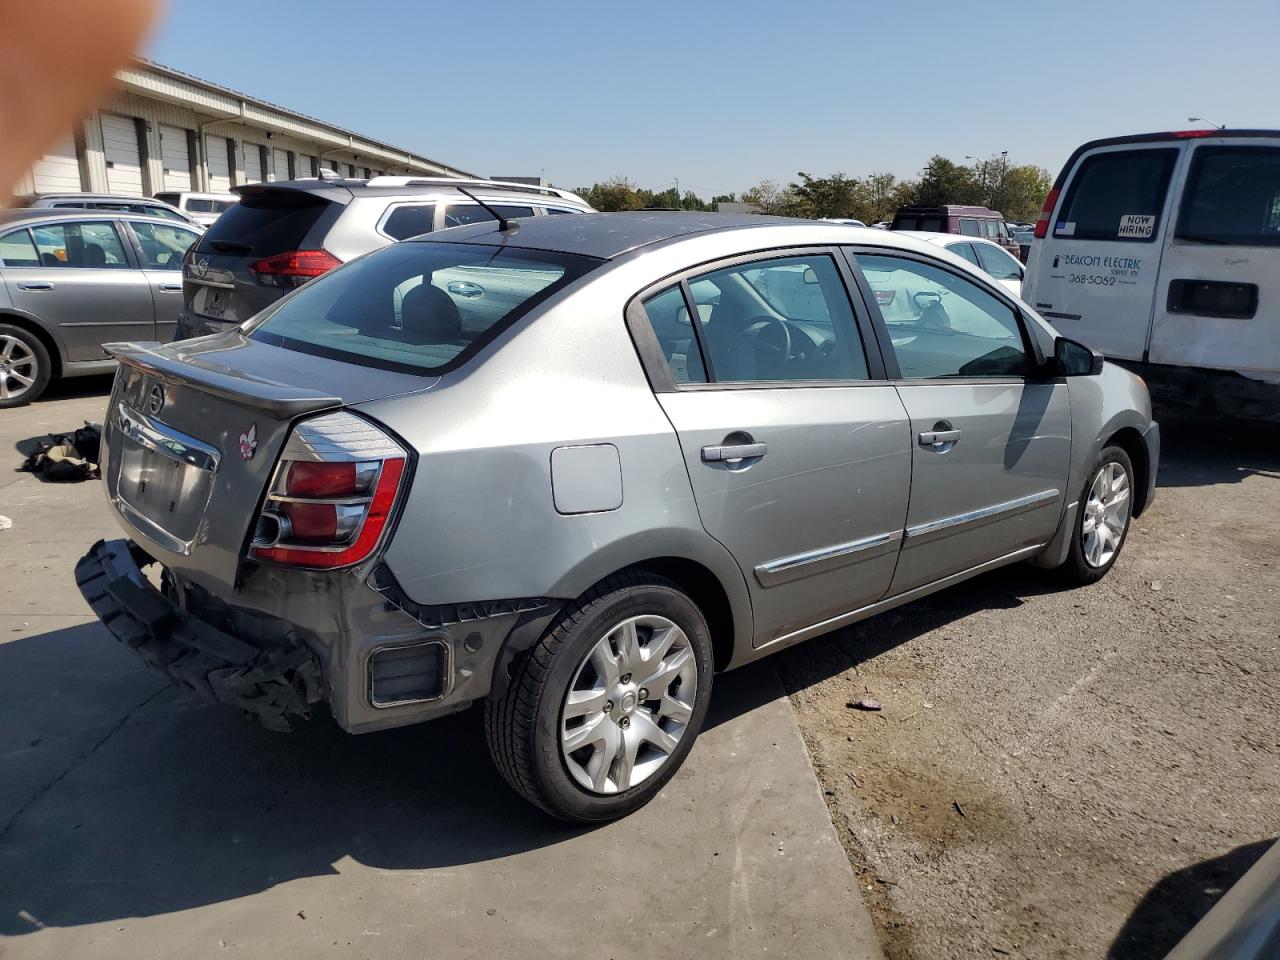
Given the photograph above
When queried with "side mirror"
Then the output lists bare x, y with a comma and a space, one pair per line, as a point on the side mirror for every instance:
1072, 359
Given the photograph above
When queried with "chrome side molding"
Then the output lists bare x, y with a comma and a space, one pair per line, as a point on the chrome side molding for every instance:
800, 565
946, 526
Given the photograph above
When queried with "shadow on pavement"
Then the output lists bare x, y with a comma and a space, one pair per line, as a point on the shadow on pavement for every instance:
1200, 450
1178, 902
185, 804
64, 389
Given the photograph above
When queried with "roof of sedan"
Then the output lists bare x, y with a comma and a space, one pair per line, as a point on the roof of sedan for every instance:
24, 214
606, 235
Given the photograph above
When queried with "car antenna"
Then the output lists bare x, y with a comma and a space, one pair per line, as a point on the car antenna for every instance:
503, 223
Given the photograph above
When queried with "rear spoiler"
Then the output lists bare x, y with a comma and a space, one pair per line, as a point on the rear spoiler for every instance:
280, 399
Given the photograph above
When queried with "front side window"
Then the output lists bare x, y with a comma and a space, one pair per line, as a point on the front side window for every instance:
783, 319
1232, 197
410, 220
417, 307
459, 213
163, 246
969, 227
942, 325
998, 263
95, 245
17, 250
1117, 196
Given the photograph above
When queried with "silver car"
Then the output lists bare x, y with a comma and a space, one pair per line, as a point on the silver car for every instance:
573, 466
72, 280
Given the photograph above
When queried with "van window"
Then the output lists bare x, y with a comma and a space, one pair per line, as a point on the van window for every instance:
928, 224
264, 224
969, 227
1117, 196
1232, 196
410, 220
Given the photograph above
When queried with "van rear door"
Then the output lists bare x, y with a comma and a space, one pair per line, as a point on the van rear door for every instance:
1218, 300
1094, 273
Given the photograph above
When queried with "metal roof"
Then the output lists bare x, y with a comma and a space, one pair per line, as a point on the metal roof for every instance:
605, 235
150, 78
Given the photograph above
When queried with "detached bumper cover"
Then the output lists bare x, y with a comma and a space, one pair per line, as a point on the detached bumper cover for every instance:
274, 685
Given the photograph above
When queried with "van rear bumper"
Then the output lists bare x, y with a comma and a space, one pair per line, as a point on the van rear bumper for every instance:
275, 685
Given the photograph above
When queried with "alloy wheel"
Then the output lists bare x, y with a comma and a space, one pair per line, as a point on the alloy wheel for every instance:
19, 367
1106, 514
629, 704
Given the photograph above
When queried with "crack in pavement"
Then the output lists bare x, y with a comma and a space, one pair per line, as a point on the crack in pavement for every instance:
81, 758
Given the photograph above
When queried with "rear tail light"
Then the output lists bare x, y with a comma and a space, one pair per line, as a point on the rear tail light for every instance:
885, 297
1046, 214
332, 494
1192, 134
293, 268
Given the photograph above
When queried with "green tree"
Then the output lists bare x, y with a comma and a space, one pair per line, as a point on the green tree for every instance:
618, 193
778, 201
1022, 192
944, 181
833, 196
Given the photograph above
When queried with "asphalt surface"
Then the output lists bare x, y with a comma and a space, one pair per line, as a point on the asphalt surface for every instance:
1062, 773
136, 822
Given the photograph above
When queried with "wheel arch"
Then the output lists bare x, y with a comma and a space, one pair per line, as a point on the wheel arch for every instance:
41, 333
1129, 439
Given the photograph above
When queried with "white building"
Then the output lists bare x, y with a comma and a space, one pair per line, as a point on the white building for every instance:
164, 130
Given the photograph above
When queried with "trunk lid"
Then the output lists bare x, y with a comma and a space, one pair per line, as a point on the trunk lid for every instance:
219, 289
194, 431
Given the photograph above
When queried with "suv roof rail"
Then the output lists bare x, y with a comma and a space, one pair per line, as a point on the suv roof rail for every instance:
387, 181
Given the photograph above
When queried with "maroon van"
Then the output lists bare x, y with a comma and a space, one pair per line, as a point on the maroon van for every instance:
950, 218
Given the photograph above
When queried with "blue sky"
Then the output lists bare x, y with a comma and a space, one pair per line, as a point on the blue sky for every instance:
724, 95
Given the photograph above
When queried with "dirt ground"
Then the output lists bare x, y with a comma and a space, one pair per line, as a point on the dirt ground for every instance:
1068, 773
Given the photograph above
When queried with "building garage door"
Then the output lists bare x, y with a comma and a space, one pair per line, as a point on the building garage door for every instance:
304, 162
175, 157
252, 162
219, 163
58, 171
280, 164
120, 148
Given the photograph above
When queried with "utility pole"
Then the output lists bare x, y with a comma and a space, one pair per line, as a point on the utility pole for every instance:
678, 203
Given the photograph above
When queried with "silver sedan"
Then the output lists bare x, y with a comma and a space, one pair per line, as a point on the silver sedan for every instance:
570, 467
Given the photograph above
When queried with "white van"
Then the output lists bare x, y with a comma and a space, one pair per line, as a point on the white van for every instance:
1162, 251
205, 208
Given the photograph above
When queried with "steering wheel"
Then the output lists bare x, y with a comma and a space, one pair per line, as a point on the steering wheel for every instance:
773, 337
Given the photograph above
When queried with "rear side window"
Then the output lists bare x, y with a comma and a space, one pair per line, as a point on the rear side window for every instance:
459, 213
417, 307
410, 220
1117, 196
998, 263
969, 227
1232, 197
965, 250
265, 224
17, 250
669, 318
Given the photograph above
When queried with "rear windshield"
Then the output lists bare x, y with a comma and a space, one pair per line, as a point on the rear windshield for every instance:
265, 224
1117, 195
417, 306
927, 224
1233, 197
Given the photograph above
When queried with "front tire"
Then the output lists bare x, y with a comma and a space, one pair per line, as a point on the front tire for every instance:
601, 712
25, 367
1102, 518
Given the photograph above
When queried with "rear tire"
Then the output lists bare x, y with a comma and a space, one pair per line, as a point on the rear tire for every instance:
25, 367
1103, 517
604, 708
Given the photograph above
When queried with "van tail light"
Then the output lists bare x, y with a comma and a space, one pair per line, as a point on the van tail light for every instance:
332, 494
1046, 214
293, 268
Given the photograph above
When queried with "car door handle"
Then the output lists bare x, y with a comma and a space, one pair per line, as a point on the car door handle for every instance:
171, 287
939, 438
736, 451
35, 285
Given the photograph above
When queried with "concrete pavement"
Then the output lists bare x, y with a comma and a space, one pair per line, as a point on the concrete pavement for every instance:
136, 822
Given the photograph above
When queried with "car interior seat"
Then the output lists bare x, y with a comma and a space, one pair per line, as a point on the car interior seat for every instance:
429, 315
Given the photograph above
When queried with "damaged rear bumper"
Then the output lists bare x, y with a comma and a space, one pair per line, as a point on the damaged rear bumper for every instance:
273, 684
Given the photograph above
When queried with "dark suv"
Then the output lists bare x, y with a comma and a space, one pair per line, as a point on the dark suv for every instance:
282, 234
951, 218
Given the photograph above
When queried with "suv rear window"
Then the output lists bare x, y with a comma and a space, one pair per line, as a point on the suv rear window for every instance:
417, 306
265, 224
927, 224
1117, 196
1233, 197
